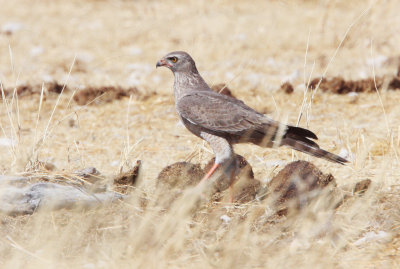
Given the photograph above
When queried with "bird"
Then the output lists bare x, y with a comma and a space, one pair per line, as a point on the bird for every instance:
223, 121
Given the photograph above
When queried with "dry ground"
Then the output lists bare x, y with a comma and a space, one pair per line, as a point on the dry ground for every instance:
254, 46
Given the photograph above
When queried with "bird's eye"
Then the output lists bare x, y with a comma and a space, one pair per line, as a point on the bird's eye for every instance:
173, 59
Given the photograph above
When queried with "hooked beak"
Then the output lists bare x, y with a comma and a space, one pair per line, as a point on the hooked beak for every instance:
161, 62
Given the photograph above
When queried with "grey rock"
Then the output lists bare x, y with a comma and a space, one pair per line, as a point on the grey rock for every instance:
50, 196
97, 182
90, 174
13, 180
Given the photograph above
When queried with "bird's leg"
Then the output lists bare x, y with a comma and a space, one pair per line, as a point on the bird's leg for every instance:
209, 173
233, 169
229, 169
223, 153
231, 181
207, 176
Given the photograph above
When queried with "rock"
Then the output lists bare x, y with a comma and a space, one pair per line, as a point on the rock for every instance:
180, 175
223, 89
56, 87
296, 184
394, 84
124, 180
72, 123
91, 179
362, 186
104, 94
245, 186
350, 192
90, 174
10, 28
341, 86
27, 90
50, 196
287, 87
13, 180
174, 180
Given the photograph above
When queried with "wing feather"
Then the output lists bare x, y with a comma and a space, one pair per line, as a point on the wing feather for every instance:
220, 113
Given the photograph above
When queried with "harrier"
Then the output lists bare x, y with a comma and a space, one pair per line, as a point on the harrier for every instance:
223, 120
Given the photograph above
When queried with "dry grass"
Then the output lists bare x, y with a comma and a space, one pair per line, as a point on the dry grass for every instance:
252, 45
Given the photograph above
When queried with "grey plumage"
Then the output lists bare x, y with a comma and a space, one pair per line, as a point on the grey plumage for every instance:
222, 120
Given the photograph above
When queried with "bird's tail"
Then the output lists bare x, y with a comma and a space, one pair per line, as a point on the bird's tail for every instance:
300, 139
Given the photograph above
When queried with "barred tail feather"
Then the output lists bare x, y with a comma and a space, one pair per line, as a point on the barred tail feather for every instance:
312, 149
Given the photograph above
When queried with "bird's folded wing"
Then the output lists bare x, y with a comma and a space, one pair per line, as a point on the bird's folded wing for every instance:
221, 113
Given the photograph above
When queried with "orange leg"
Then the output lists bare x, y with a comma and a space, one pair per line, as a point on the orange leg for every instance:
209, 173
231, 179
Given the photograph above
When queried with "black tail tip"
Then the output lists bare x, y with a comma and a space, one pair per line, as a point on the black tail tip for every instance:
341, 160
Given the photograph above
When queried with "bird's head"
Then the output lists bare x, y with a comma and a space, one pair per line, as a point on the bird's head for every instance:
178, 61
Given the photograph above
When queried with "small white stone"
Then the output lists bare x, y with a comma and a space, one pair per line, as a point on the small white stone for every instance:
47, 78
297, 245
84, 57
377, 61
363, 74
271, 61
133, 79
6, 142
291, 77
225, 219
115, 163
266, 180
373, 236
254, 78
300, 87
35, 51
352, 94
229, 75
344, 153
135, 50
11, 27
